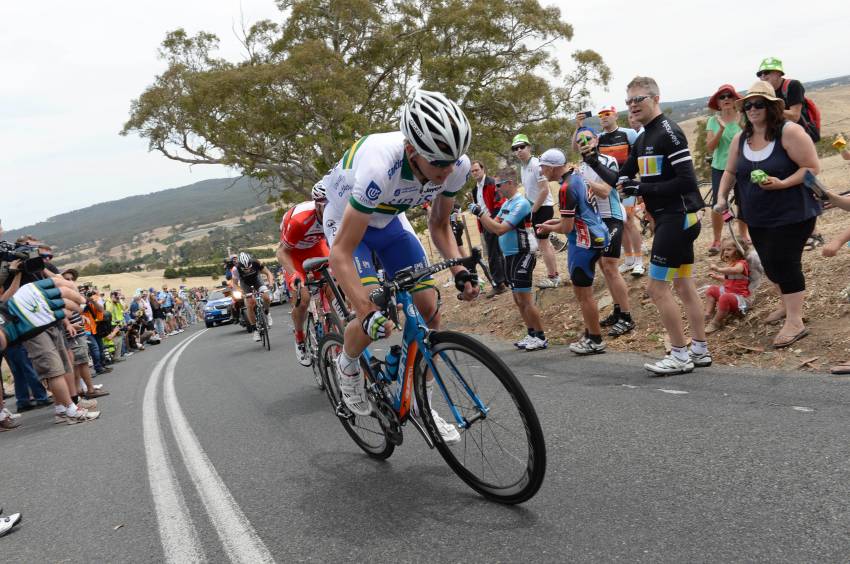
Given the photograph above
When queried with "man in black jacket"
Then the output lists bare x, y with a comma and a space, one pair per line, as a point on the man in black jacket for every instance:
485, 194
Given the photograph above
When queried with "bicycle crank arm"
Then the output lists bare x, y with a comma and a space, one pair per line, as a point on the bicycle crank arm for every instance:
422, 431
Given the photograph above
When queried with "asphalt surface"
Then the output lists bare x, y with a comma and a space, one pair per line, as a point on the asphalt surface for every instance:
236, 457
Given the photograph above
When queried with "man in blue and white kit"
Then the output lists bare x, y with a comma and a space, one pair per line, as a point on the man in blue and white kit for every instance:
376, 180
518, 244
587, 237
613, 214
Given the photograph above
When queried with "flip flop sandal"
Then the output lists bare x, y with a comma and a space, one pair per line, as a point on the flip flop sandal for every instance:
841, 368
813, 242
790, 340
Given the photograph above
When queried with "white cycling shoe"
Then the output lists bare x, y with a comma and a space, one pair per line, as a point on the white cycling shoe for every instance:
448, 432
353, 392
257, 335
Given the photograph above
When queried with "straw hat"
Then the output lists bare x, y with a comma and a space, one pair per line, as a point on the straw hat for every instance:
762, 89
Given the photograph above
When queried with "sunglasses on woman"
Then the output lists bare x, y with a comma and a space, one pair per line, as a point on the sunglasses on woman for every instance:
757, 105
725, 96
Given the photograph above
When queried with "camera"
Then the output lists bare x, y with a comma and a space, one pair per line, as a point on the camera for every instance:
32, 261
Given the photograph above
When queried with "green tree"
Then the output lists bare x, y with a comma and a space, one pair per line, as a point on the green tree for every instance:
334, 70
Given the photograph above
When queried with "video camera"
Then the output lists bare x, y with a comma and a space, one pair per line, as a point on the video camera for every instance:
32, 261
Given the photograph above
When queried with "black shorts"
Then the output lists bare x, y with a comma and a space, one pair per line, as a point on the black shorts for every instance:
158, 314
518, 271
673, 246
615, 228
544, 214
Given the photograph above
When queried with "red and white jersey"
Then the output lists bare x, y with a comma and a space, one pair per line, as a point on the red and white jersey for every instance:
300, 228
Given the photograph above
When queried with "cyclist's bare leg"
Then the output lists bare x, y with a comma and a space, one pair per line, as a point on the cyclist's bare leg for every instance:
299, 312
252, 304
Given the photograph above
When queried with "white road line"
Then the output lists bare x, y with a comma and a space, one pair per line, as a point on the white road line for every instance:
241, 542
674, 392
801, 408
176, 530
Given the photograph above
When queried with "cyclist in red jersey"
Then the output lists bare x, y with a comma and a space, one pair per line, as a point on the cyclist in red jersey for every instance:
301, 238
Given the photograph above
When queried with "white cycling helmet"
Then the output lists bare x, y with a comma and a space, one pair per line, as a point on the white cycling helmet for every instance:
435, 126
245, 259
318, 192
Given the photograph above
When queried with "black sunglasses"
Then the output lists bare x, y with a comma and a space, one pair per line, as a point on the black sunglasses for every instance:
442, 164
725, 97
758, 105
518, 148
636, 99
762, 73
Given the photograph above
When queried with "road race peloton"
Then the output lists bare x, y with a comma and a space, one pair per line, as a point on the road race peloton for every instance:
376, 180
302, 238
247, 275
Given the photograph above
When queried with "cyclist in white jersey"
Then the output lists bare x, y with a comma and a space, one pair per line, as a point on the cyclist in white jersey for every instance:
376, 180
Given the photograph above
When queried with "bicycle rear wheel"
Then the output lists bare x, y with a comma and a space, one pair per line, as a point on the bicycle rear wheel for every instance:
502, 454
263, 327
367, 432
311, 343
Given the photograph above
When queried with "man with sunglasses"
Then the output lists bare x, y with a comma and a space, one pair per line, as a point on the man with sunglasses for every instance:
668, 186
377, 179
542, 204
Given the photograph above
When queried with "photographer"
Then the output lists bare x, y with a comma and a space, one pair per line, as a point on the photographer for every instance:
92, 314
78, 348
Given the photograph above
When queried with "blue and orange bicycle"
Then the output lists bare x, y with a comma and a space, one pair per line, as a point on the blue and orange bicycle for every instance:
501, 453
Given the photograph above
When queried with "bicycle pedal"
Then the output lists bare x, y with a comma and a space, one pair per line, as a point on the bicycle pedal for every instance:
342, 411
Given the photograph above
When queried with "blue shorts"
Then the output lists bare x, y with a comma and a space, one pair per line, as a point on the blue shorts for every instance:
395, 248
581, 264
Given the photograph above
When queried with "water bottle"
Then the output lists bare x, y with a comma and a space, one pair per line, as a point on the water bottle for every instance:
391, 362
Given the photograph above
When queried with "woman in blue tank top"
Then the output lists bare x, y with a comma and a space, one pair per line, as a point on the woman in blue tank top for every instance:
780, 211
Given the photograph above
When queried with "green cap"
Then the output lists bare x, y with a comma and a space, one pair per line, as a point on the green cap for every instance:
770, 64
519, 139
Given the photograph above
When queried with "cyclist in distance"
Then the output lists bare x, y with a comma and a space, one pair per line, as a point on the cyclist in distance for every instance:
376, 180
301, 238
248, 271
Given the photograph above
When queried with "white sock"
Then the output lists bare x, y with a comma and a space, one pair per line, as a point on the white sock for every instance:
638, 259
350, 366
58, 408
681, 353
699, 347
71, 410
630, 259
83, 388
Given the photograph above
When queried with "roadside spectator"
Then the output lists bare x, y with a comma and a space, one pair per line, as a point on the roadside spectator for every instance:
668, 186
831, 249
616, 142
779, 211
721, 128
456, 221
78, 348
587, 237
542, 204
488, 197
731, 297
157, 315
793, 93
92, 313
611, 211
116, 311
166, 302
518, 244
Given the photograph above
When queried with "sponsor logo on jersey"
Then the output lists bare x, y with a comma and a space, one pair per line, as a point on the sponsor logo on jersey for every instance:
400, 191
394, 169
373, 191
673, 137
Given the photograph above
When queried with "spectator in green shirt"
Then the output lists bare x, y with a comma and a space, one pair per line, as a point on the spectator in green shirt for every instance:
720, 130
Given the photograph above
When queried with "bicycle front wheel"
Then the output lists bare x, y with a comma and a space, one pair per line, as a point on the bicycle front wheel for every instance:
501, 453
367, 431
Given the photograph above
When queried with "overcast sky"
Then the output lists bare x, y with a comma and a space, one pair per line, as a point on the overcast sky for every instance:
71, 69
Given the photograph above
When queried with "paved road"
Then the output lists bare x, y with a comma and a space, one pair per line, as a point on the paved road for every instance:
241, 450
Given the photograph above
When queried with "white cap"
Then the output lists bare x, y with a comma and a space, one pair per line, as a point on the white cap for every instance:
553, 157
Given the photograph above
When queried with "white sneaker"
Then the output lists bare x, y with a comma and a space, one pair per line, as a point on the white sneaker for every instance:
523, 342
81, 416
670, 365
639, 269
626, 267
10, 415
550, 282
256, 335
536, 343
6, 523
586, 346
700, 360
353, 392
301, 354
269, 319
448, 432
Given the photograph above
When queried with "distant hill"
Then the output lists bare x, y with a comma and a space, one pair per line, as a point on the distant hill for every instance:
119, 221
